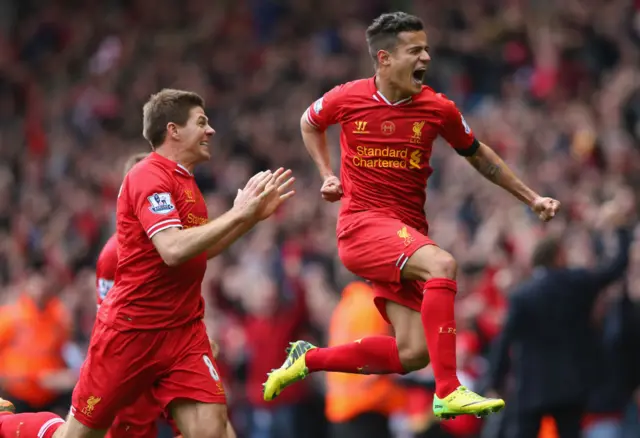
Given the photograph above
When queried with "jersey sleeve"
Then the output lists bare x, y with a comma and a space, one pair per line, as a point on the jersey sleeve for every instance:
153, 201
326, 111
457, 132
104, 281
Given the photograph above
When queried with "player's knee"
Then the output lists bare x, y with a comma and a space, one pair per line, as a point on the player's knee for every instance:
443, 265
430, 262
413, 357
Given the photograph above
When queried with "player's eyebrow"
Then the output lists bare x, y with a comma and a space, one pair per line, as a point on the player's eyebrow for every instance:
203, 118
419, 46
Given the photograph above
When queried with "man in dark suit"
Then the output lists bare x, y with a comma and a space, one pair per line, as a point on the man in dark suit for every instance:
549, 339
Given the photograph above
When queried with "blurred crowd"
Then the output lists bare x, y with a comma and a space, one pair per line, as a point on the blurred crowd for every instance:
554, 87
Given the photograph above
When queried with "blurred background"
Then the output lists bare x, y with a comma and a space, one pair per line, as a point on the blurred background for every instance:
553, 86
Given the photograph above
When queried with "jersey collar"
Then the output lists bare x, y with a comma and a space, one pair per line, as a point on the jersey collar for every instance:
170, 164
379, 97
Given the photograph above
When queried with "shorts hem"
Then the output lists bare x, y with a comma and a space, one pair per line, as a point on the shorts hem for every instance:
411, 252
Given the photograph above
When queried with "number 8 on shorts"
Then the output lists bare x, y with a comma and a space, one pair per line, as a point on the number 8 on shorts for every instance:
212, 369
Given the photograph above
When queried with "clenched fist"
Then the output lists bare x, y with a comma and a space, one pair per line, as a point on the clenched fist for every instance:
331, 189
545, 208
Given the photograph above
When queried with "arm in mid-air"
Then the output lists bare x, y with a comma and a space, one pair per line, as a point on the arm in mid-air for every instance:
493, 168
321, 114
460, 136
259, 199
486, 161
176, 245
229, 239
315, 141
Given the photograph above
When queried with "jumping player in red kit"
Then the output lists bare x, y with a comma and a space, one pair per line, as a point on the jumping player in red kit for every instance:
149, 335
389, 123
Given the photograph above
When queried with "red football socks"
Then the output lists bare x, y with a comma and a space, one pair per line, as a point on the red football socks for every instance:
370, 355
439, 325
40, 424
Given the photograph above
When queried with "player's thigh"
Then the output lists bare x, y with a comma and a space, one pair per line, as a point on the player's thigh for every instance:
378, 248
74, 429
200, 420
119, 367
191, 385
429, 261
138, 420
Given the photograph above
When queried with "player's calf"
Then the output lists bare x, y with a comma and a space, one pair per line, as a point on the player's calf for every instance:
412, 346
437, 268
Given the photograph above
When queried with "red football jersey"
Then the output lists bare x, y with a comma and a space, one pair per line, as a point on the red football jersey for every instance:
147, 294
386, 147
106, 269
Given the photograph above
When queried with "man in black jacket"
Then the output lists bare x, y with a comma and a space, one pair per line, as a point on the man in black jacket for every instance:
549, 339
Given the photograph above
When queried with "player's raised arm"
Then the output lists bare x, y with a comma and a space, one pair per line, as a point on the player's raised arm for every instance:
260, 199
486, 161
315, 120
492, 167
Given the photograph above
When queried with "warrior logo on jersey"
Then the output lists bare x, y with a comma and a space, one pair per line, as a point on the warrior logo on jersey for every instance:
161, 203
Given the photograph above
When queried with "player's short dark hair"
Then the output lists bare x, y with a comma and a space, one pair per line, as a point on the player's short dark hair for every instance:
383, 32
133, 160
167, 106
546, 251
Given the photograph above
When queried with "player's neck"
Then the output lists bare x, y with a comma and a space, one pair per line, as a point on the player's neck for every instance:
171, 154
389, 91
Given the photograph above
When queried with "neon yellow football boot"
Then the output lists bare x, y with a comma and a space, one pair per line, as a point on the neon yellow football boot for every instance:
463, 401
6, 407
292, 370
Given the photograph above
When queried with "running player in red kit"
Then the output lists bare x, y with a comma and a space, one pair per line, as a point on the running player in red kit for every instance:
149, 334
137, 420
389, 123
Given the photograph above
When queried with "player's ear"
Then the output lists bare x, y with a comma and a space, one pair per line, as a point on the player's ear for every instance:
384, 57
172, 130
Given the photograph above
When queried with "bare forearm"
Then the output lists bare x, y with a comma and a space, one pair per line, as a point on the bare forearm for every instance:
228, 240
179, 246
316, 143
493, 168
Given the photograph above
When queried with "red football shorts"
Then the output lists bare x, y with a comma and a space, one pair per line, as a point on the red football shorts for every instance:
377, 248
137, 420
170, 364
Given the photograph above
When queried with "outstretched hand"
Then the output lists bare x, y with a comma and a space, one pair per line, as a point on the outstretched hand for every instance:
264, 193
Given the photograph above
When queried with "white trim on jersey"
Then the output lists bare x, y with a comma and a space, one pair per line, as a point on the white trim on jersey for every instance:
308, 118
163, 225
46, 426
183, 170
162, 229
400, 102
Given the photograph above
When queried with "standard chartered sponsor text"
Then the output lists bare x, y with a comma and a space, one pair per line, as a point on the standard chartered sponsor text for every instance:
386, 157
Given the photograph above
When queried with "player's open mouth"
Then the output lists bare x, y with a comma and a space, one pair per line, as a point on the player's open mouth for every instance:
204, 143
418, 75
